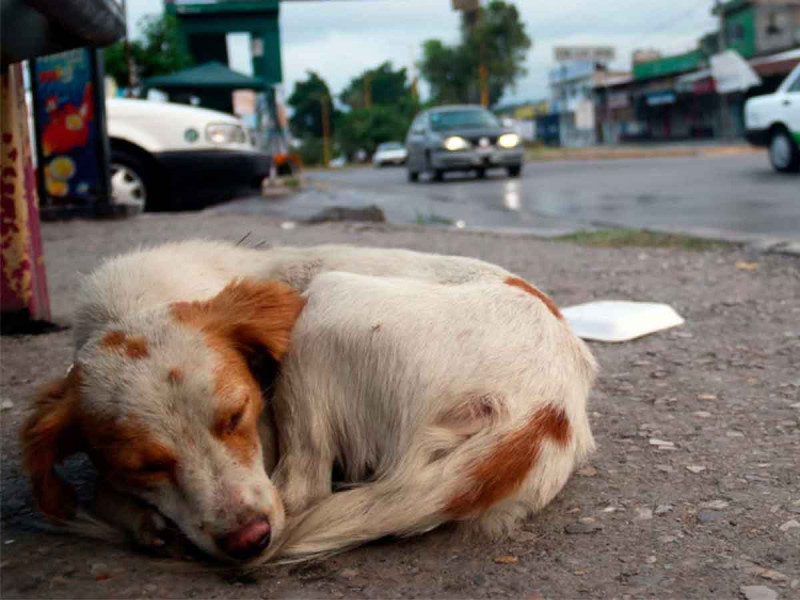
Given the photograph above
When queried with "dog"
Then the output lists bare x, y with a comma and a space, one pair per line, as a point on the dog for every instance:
219, 387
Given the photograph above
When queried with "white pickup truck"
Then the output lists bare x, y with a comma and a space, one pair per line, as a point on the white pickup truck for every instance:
166, 156
774, 121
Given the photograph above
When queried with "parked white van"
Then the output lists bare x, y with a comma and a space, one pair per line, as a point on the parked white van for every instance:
774, 121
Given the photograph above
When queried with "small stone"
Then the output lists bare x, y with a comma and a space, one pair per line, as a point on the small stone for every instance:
150, 588
288, 225
758, 592
587, 472
663, 509
715, 505
747, 266
644, 514
706, 396
703, 414
773, 575
695, 468
790, 524
100, 571
505, 559
587, 520
665, 468
707, 516
734, 434
6, 405
583, 528
349, 573
650, 560
610, 509
667, 539
662, 444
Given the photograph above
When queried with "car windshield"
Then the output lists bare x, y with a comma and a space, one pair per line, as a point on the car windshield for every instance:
390, 146
462, 119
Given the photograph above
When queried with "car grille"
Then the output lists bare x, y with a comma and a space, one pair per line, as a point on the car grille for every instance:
475, 139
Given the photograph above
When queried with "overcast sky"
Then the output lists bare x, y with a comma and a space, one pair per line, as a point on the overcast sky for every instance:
341, 38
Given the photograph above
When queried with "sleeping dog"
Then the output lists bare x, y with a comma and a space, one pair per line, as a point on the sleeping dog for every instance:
441, 388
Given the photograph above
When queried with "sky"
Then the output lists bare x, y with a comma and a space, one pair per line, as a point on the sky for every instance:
341, 38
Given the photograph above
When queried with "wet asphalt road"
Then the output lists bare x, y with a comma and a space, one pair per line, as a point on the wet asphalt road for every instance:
738, 196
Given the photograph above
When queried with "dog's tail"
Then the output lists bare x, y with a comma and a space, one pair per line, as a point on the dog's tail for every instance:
368, 512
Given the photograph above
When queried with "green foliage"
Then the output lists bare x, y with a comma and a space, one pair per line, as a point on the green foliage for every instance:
306, 101
311, 151
495, 37
392, 107
158, 52
365, 128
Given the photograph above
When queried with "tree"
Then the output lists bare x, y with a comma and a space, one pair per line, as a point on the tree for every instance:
383, 86
158, 52
306, 100
382, 106
365, 128
494, 37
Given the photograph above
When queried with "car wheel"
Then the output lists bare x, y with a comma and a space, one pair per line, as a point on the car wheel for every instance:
132, 183
438, 175
514, 171
413, 176
783, 152
480, 173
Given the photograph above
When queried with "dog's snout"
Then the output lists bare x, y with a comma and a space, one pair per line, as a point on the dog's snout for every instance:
247, 541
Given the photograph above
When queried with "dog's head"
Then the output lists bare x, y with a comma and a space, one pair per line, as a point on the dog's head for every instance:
167, 406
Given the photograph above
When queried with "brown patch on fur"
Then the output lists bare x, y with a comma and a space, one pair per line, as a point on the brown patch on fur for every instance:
125, 450
245, 317
48, 436
258, 314
136, 347
511, 459
527, 287
175, 376
113, 340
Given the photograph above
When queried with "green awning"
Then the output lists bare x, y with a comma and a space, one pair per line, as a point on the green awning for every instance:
211, 75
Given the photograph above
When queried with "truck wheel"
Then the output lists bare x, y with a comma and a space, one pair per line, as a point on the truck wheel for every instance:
413, 175
133, 183
783, 152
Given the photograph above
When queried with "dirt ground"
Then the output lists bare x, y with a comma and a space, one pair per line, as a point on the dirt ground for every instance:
694, 491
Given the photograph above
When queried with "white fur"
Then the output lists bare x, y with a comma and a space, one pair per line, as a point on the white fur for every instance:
388, 344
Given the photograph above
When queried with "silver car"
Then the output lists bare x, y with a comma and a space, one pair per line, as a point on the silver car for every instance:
461, 138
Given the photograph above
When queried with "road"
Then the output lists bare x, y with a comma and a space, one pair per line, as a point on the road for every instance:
735, 195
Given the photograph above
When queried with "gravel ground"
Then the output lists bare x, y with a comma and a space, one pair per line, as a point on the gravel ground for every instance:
710, 510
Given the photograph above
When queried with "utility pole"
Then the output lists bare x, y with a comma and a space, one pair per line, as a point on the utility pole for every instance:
128, 56
471, 9
723, 99
326, 129
367, 90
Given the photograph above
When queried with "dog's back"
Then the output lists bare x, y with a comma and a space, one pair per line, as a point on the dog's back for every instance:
441, 402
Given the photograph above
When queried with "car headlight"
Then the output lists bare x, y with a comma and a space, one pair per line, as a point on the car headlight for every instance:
225, 133
508, 140
455, 142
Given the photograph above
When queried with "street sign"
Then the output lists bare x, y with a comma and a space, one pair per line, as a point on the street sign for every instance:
600, 54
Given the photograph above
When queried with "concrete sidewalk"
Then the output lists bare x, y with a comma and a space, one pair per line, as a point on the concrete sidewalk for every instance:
711, 508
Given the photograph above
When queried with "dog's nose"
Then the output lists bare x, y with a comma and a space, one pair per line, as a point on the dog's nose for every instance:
248, 541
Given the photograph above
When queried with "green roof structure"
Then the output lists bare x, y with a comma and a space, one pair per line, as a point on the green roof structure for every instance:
211, 75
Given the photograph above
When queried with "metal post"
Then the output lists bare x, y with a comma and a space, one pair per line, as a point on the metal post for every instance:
326, 130
723, 99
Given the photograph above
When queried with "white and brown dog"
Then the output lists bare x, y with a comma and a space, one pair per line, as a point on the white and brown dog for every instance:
442, 388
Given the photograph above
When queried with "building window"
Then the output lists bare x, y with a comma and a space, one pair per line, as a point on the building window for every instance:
735, 33
773, 25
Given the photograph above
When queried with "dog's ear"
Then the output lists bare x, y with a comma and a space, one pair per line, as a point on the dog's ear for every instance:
254, 314
49, 435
